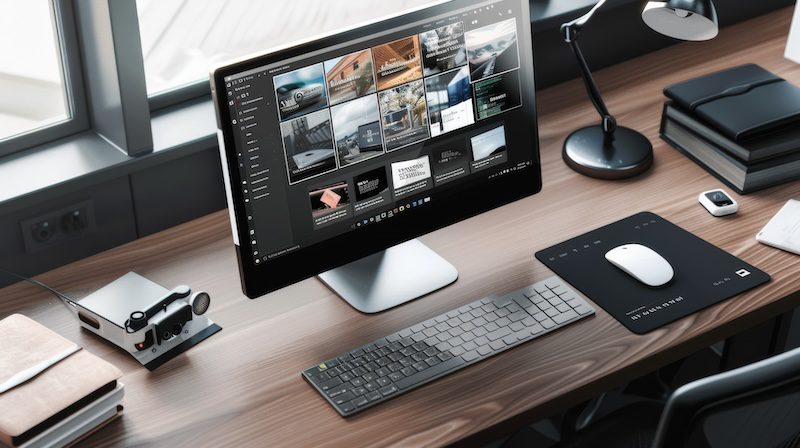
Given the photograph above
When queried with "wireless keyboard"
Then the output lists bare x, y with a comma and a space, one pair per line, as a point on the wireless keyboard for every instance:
409, 358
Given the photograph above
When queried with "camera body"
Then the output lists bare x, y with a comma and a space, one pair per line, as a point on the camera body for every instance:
145, 319
718, 202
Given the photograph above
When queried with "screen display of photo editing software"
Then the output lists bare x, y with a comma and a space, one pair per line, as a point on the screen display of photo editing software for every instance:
355, 135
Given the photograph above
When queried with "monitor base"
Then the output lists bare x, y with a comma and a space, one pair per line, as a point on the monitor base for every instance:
389, 278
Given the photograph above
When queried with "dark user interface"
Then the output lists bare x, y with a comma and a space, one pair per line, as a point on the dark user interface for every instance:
356, 135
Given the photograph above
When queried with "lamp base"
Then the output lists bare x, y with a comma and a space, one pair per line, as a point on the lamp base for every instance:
589, 152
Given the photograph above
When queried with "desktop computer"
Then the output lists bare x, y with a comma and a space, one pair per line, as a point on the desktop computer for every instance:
339, 151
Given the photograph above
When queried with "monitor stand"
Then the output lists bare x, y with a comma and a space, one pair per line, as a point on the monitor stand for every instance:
389, 278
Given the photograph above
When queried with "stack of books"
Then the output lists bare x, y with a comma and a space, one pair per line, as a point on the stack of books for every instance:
52, 393
741, 124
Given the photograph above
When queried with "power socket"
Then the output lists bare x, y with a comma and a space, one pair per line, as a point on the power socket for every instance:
58, 226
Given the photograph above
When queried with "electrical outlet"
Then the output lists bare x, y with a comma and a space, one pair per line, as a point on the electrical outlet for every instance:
58, 226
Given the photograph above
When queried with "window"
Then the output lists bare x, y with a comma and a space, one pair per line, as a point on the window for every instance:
33, 92
182, 39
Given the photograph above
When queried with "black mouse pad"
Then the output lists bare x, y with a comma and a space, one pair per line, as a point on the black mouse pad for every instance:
704, 273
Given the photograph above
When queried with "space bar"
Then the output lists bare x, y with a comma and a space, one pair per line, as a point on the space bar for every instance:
438, 369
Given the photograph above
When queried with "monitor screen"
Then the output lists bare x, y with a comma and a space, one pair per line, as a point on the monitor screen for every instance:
343, 146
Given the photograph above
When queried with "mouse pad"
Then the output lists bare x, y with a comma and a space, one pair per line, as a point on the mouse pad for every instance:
704, 273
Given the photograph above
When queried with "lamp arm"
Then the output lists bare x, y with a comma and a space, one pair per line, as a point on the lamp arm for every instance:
570, 32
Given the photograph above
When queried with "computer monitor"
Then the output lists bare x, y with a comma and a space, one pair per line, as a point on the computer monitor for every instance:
339, 151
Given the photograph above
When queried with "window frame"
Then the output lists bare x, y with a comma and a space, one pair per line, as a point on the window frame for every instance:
72, 71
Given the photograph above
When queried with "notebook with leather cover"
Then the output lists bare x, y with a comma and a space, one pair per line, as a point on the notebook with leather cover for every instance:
64, 388
741, 102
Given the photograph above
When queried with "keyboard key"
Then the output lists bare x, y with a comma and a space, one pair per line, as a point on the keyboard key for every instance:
523, 301
444, 356
430, 332
491, 326
510, 339
498, 334
522, 334
480, 331
479, 322
470, 355
540, 317
497, 345
551, 312
547, 294
417, 328
337, 391
481, 340
429, 323
535, 329
516, 326
563, 307
358, 391
418, 337
347, 407
396, 376
583, 309
484, 350
430, 351
503, 322
518, 316
420, 366
440, 318
360, 401
455, 342
372, 396
388, 390
470, 346
330, 384
408, 371
561, 318
344, 398
502, 312
427, 374
547, 324
369, 376
383, 382
444, 326
456, 331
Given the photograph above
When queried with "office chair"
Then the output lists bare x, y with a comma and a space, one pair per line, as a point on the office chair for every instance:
757, 405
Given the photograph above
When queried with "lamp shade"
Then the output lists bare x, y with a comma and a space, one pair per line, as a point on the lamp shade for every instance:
682, 19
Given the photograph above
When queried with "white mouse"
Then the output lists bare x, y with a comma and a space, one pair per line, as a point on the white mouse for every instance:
642, 263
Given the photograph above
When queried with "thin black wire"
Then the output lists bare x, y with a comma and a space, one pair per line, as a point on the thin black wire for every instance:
58, 294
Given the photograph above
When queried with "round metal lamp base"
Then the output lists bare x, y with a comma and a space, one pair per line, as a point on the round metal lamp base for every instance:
590, 152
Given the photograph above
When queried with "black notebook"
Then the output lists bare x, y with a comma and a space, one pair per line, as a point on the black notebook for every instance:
740, 102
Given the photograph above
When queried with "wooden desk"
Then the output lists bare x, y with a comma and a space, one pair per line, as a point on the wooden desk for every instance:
243, 386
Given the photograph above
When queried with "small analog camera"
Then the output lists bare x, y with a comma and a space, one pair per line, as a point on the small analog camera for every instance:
718, 202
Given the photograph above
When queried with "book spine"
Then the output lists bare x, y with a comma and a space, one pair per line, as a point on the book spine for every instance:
740, 188
715, 138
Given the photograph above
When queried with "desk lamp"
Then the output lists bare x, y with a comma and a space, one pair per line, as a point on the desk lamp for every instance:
608, 151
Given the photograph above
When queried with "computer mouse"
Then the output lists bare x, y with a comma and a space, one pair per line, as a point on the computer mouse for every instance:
642, 263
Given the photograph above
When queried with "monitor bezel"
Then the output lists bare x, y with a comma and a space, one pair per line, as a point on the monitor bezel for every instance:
260, 279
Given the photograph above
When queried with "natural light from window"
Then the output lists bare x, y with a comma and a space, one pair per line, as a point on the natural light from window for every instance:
182, 39
32, 93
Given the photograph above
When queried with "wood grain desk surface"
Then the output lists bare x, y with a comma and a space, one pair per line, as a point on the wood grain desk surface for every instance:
243, 385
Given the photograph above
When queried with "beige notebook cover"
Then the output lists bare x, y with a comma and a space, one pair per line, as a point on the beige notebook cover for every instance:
25, 343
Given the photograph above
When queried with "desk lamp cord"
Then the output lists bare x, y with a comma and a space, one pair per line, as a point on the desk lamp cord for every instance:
64, 298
